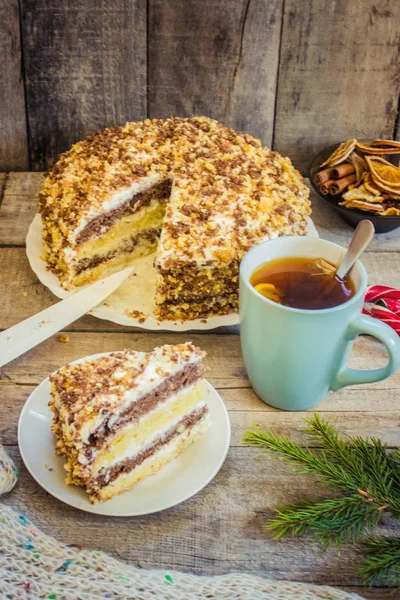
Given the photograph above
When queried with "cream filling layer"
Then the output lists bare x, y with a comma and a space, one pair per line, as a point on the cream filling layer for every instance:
146, 218
157, 461
142, 434
117, 263
118, 199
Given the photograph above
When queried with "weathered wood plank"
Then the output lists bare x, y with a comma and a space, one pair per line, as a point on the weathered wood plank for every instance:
219, 530
224, 359
3, 178
25, 184
22, 191
14, 146
227, 61
329, 52
19, 206
18, 280
85, 65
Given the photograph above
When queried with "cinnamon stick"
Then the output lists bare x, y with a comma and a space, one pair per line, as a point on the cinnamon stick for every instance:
324, 187
342, 171
323, 176
341, 184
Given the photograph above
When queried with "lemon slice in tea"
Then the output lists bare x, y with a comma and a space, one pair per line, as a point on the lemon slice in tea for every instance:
270, 291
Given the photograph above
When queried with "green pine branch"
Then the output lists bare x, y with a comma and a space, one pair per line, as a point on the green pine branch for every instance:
367, 460
367, 478
303, 459
382, 562
334, 520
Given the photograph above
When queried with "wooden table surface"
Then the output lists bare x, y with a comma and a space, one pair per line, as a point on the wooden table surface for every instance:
220, 529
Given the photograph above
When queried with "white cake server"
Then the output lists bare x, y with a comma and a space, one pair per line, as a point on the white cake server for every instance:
29, 333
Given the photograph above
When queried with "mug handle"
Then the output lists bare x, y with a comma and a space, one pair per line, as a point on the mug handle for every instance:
382, 332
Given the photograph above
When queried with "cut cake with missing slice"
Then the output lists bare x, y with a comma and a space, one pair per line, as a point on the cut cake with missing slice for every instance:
122, 417
193, 191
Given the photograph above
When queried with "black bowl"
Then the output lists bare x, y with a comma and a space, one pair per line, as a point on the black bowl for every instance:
352, 216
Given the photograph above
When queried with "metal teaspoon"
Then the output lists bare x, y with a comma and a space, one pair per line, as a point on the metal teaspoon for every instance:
363, 234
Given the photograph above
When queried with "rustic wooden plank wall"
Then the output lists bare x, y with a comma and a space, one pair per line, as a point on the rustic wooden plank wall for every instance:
13, 138
299, 74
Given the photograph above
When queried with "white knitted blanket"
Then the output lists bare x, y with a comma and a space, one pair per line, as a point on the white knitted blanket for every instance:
34, 565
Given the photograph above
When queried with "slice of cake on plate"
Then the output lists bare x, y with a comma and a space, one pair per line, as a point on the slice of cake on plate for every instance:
121, 417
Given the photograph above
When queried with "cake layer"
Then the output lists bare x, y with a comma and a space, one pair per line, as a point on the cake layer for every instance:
148, 402
109, 220
129, 439
106, 476
126, 245
191, 281
195, 308
147, 218
155, 458
143, 246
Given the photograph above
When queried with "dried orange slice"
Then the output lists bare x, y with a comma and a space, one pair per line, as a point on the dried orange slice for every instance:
340, 154
361, 205
385, 191
391, 212
377, 150
391, 143
360, 166
376, 187
361, 193
384, 173
371, 188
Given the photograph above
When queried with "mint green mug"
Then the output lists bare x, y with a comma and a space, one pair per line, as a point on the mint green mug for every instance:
295, 357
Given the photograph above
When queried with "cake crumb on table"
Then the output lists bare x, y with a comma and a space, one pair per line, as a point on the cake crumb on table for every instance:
137, 314
64, 338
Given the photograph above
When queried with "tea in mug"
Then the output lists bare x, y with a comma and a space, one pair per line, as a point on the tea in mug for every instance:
302, 282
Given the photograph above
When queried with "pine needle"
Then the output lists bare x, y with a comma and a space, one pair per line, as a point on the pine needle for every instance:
305, 460
367, 460
334, 520
383, 561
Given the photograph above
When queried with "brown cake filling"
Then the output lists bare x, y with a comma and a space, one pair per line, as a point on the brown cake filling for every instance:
184, 378
105, 478
100, 224
197, 309
190, 281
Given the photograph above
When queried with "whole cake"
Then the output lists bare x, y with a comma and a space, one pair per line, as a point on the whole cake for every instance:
122, 417
194, 191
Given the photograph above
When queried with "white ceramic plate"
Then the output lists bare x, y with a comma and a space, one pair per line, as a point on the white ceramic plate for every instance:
181, 479
136, 294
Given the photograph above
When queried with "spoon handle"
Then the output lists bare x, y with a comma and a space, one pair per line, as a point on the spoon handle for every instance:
361, 238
